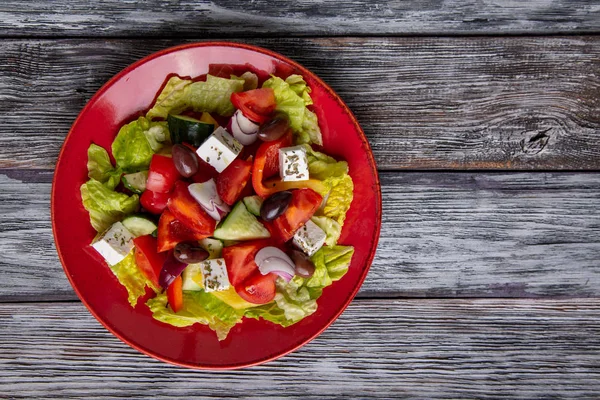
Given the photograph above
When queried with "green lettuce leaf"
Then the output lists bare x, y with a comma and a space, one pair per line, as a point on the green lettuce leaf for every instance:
336, 259
100, 168
339, 188
332, 229
292, 97
171, 100
130, 276
250, 80
297, 299
131, 148
214, 95
105, 205
198, 307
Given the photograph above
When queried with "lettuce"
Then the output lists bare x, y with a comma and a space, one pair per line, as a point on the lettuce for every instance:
100, 168
131, 148
171, 100
297, 299
292, 97
130, 276
332, 229
198, 307
105, 205
214, 95
211, 96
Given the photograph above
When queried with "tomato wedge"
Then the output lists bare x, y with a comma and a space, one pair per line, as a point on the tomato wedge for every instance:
162, 174
239, 259
171, 231
304, 203
258, 289
175, 294
257, 105
232, 181
147, 257
154, 202
187, 210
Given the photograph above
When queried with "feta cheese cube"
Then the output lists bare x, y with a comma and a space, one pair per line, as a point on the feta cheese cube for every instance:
114, 244
214, 273
220, 149
293, 164
310, 238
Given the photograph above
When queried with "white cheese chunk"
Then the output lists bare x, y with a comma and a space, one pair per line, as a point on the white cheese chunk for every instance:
115, 244
293, 164
310, 238
214, 274
220, 149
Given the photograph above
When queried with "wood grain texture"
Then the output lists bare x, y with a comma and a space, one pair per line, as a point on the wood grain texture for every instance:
294, 18
433, 349
443, 235
425, 103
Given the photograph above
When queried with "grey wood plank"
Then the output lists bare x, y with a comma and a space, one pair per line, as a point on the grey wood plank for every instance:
425, 103
433, 349
443, 235
294, 18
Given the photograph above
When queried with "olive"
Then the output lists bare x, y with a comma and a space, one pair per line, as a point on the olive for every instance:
189, 253
304, 266
274, 128
275, 205
185, 160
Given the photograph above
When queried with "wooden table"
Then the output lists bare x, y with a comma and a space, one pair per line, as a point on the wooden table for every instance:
484, 119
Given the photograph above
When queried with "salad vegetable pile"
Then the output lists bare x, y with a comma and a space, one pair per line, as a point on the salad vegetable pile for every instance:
219, 202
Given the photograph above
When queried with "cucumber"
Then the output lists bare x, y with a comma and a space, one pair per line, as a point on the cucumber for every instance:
213, 246
191, 275
135, 182
139, 225
253, 204
188, 129
241, 225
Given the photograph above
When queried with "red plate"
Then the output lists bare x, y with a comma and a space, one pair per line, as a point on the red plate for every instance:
252, 342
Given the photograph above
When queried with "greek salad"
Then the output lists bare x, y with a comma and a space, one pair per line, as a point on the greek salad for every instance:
219, 201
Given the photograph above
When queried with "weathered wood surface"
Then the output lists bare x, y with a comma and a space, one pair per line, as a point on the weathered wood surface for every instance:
443, 235
425, 103
294, 18
426, 349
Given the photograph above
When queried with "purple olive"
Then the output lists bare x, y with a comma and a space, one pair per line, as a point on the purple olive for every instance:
185, 160
304, 266
189, 253
275, 205
274, 128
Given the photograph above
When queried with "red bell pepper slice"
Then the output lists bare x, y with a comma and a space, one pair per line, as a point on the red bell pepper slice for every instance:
175, 294
266, 164
304, 203
147, 257
257, 105
187, 210
232, 181
162, 174
171, 231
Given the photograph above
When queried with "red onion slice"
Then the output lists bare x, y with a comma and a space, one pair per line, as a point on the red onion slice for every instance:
271, 259
171, 269
247, 126
244, 137
206, 194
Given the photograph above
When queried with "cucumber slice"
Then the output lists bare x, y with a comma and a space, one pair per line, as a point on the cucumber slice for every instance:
139, 225
191, 275
213, 246
135, 182
188, 129
241, 225
253, 204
